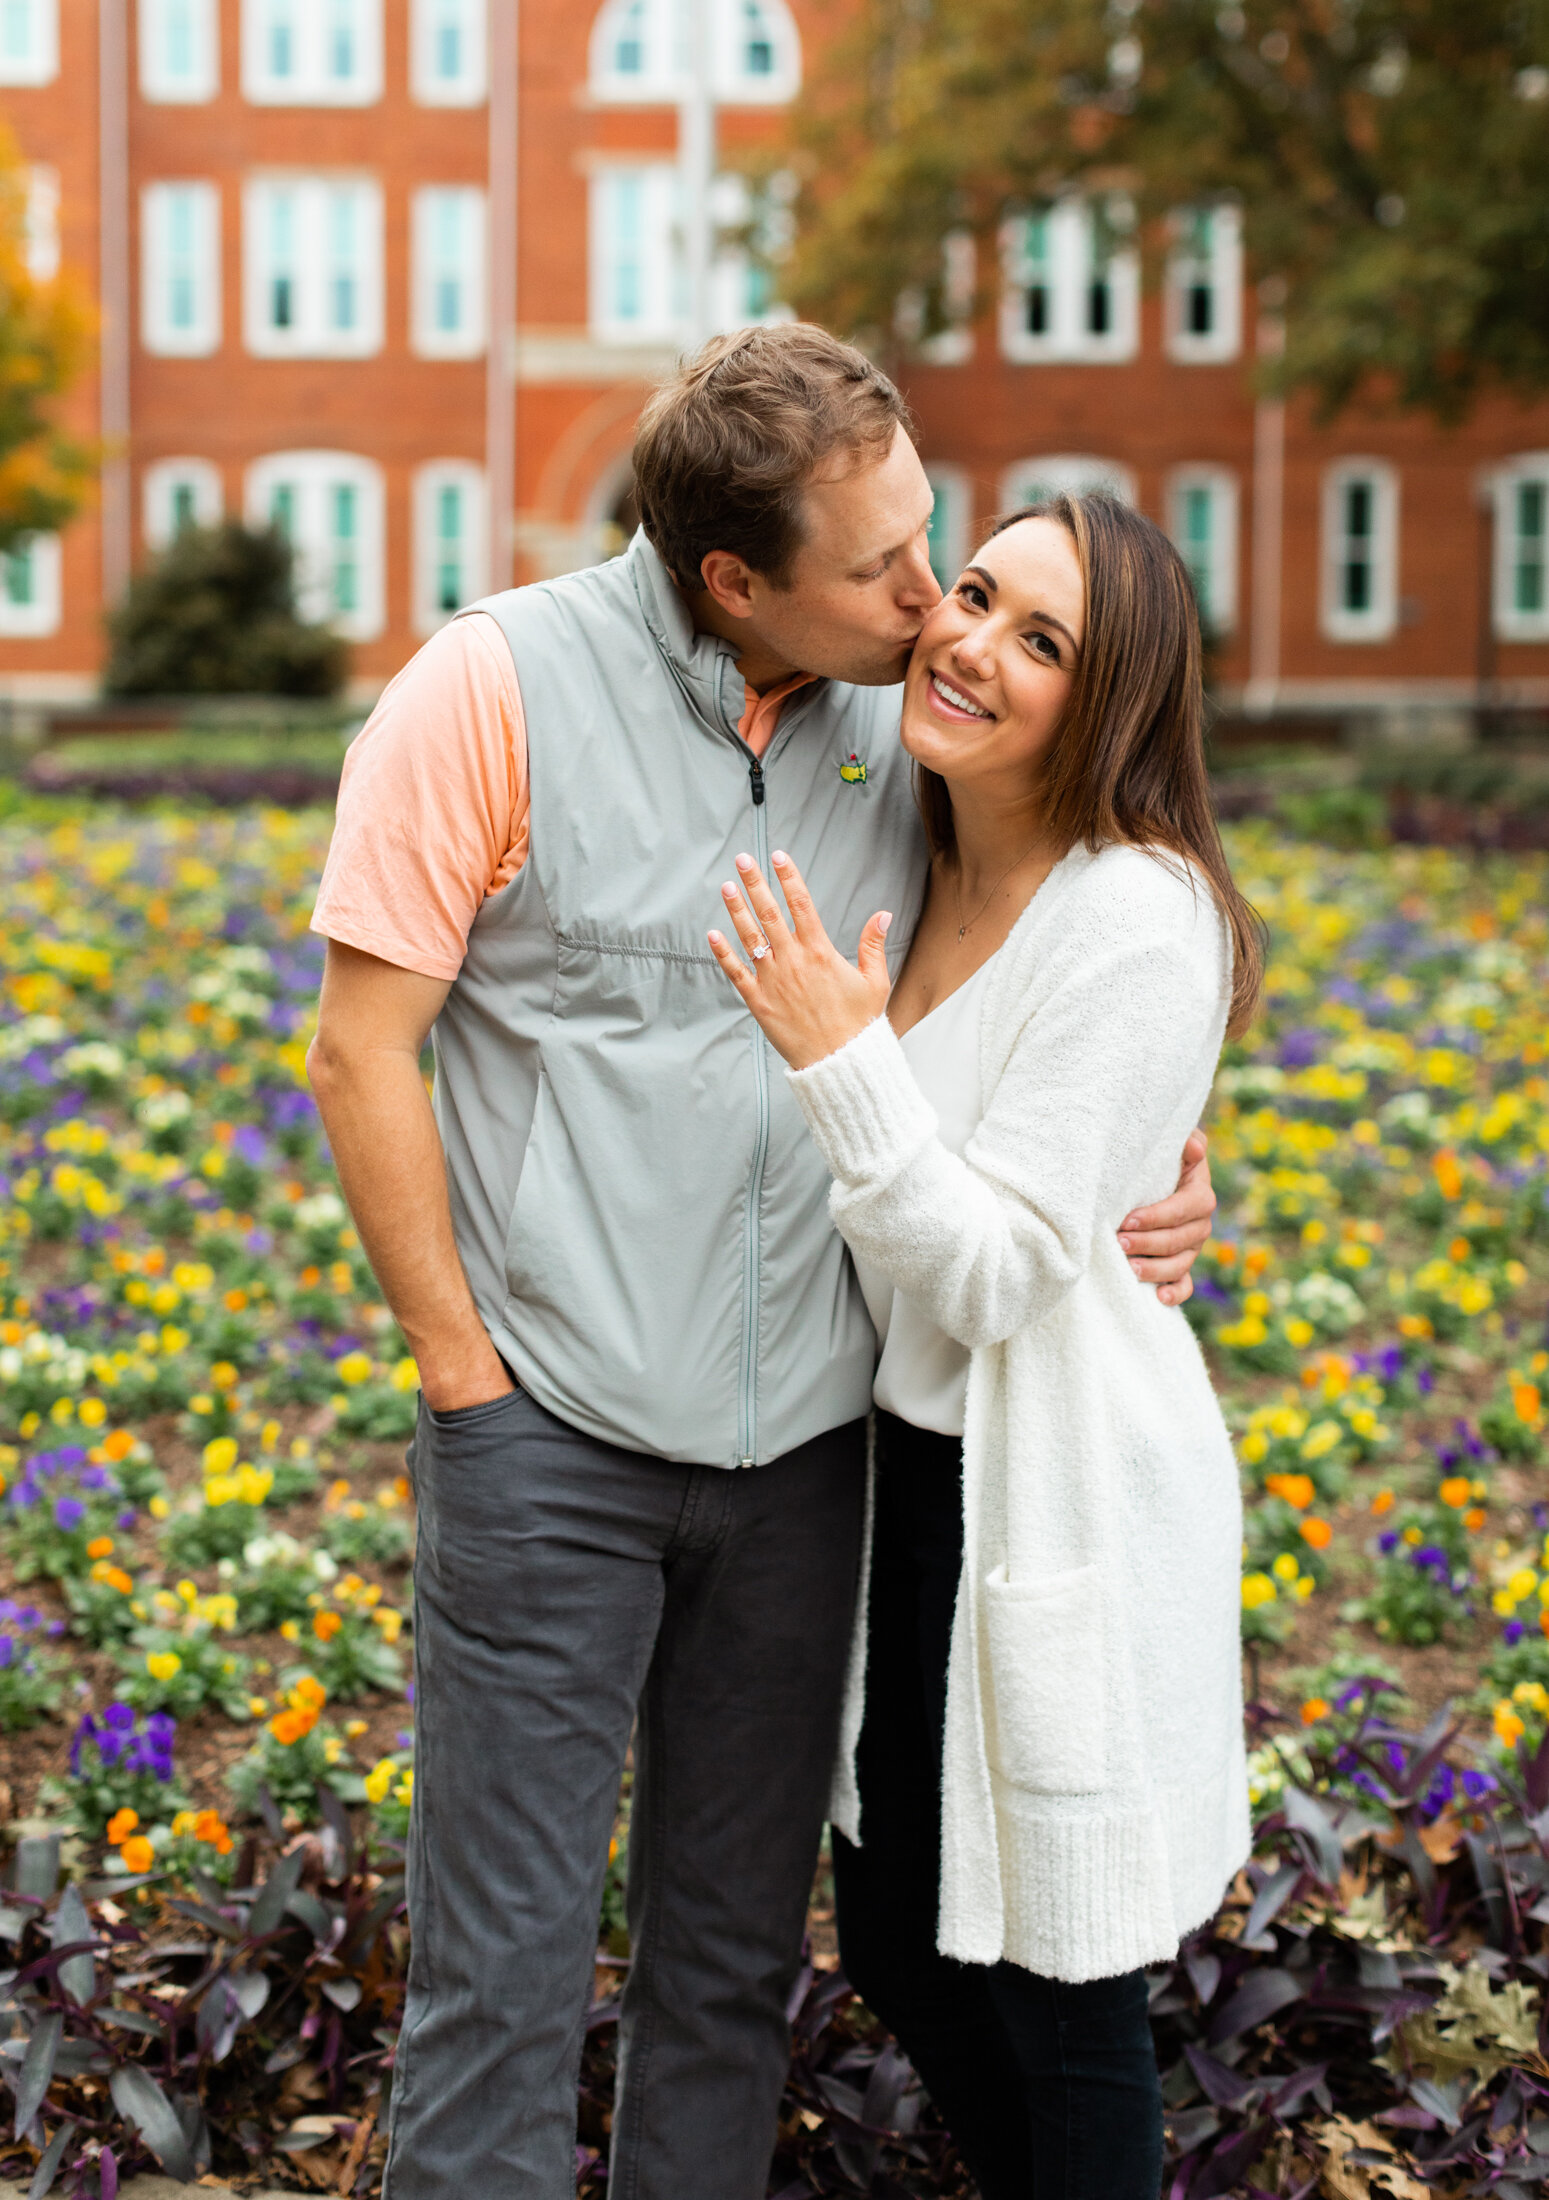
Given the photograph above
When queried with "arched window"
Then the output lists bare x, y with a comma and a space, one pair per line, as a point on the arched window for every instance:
640, 52
329, 506
1034, 479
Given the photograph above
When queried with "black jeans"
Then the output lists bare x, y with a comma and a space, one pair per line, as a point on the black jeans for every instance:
564, 1588
1050, 2091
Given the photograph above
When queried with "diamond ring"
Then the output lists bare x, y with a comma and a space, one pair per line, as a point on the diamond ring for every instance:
758, 953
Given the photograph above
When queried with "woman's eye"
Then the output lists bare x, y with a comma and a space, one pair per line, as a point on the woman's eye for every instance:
1046, 648
971, 592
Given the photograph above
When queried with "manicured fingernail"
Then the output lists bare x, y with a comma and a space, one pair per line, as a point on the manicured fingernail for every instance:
729, 891
884, 920
715, 939
1127, 1243
1130, 1222
745, 863
1135, 1267
780, 859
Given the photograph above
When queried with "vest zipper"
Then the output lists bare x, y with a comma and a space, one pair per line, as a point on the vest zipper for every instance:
747, 1417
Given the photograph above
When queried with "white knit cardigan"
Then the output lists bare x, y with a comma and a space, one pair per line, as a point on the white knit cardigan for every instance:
1094, 1786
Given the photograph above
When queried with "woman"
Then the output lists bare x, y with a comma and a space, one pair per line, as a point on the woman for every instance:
1048, 1789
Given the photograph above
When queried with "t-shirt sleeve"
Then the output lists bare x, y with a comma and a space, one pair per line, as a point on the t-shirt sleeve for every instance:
433, 805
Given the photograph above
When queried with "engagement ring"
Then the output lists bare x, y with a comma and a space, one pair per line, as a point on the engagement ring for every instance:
758, 953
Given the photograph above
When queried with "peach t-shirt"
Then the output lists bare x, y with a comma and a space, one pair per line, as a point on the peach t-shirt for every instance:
434, 804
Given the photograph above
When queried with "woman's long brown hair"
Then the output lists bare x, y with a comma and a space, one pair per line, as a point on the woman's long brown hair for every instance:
1128, 761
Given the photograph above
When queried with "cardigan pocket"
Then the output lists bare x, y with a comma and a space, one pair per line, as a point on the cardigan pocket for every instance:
1046, 1642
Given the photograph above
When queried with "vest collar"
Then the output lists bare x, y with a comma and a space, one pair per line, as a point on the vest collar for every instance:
705, 664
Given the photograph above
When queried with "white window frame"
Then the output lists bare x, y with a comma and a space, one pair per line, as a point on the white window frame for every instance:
1066, 261
37, 60
41, 216
467, 207
470, 86
950, 521
1064, 473
952, 346
430, 482
1529, 471
311, 81
1218, 599
662, 37
202, 80
1378, 620
31, 621
315, 477
164, 208
657, 185
159, 498
1210, 262
314, 271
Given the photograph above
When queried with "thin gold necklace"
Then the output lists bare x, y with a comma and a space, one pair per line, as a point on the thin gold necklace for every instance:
957, 891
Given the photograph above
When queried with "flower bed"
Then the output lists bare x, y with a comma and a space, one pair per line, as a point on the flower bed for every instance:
204, 1535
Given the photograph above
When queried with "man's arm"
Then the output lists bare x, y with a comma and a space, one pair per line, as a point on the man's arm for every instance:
373, 1020
1163, 1241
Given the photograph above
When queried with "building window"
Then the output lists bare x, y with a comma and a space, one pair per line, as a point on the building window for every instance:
639, 282
179, 50
29, 54
950, 519
1071, 282
1035, 480
952, 345
312, 53
30, 588
180, 493
1521, 590
180, 314
449, 273
41, 218
638, 49
329, 506
1203, 308
451, 560
313, 252
1360, 551
1202, 520
449, 55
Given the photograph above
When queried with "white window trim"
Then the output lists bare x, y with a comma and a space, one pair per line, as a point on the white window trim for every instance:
1070, 254
204, 83
315, 474
429, 481
953, 491
41, 65
157, 332
1379, 622
661, 321
1221, 616
1065, 472
1510, 624
311, 86
663, 80
310, 338
430, 89
161, 483
1224, 341
952, 346
429, 341
31, 622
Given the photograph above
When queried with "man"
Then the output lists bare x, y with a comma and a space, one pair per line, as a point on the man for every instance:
645, 1361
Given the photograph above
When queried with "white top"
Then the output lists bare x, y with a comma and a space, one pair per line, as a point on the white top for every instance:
922, 1375
1094, 1780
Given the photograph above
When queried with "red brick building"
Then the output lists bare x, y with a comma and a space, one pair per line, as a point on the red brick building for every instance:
398, 272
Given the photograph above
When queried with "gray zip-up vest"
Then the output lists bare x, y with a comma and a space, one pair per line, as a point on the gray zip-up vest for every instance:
641, 1214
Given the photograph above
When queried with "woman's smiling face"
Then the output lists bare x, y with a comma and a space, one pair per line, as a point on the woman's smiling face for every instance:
992, 671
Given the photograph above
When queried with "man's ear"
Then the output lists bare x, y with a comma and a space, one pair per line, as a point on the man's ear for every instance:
728, 581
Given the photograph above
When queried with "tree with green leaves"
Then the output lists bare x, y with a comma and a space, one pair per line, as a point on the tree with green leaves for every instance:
215, 614
1391, 159
46, 474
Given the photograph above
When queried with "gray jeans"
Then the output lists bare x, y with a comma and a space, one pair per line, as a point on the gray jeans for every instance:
563, 1587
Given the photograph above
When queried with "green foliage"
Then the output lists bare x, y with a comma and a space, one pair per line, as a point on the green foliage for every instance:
180, 1670
45, 343
1391, 161
216, 614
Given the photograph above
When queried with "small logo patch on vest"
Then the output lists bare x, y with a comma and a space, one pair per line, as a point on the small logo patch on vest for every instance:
853, 772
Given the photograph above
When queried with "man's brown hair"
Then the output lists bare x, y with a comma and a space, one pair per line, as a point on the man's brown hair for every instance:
727, 443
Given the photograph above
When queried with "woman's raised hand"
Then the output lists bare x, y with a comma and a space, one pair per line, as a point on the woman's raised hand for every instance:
808, 999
